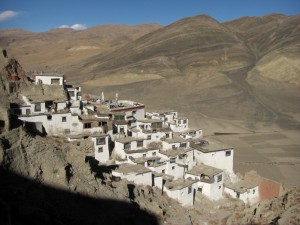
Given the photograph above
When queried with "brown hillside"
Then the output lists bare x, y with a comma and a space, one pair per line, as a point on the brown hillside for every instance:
185, 47
62, 48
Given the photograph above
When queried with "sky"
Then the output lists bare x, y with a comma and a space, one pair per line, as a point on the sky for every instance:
44, 15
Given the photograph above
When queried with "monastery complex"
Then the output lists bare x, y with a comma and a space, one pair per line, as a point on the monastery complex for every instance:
155, 149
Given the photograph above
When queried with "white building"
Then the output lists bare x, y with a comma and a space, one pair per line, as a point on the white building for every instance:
91, 124
49, 78
213, 153
144, 154
183, 190
74, 92
101, 146
120, 127
179, 161
210, 180
149, 124
244, 190
192, 134
138, 174
56, 123
132, 110
128, 144
175, 143
179, 124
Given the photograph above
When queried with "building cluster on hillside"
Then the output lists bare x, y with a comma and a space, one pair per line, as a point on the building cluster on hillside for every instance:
149, 148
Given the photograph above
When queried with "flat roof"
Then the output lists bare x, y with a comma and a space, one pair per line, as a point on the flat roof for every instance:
88, 118
241, 186
204, 169
181, 118
143, 159
49, 74
175, 140
76, 136
127, 168
156, 174
140, 150
175, 152
150, 121
179, 184
128, 139
209, 145
99, 135
120, 122
190, 131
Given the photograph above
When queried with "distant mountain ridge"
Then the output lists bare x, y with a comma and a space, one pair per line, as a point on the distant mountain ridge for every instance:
195, 45
198, 44
63, 47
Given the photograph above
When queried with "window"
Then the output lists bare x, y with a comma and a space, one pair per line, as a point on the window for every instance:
119, 117
167, 135
173, 147
228, 153
55, 81
122, 130
163, 171
2, 123
220, 186
149, 137
173, 167
219, 178
27, 111
87, 125
49, 117
100, 149
253, 192
127, 146
37, 107
153, 153
67, 131
237, 195
200, 189
139, 143
71, 93
100, 141
172, 160
64, 119
183, 145
17, 111
190, 190
144, 155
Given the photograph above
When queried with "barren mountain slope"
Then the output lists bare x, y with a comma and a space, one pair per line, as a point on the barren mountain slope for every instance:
275, 40
62, 48
188, 46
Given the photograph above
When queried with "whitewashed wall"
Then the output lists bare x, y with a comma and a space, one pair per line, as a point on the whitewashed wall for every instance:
104, 155
249, 197
55, 125
139, 179
216, 159
182, 196
47, 79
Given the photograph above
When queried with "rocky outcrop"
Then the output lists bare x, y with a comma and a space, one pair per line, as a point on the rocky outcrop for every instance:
281, 210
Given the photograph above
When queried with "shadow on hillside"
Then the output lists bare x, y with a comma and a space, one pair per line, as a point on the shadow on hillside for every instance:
99, 170
24, 201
